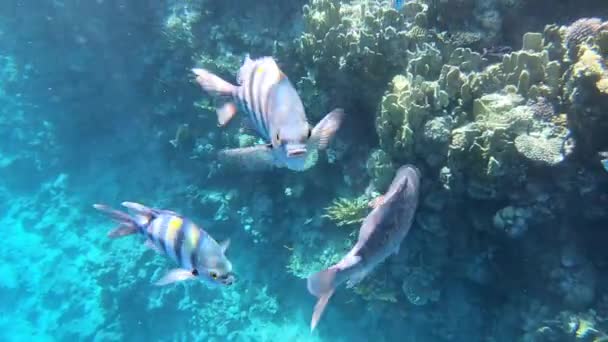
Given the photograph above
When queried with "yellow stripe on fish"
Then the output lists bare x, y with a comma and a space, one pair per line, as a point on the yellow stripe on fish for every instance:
174, 225
173, 231
193, 238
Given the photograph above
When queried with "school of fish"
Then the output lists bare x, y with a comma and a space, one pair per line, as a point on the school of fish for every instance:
276, 114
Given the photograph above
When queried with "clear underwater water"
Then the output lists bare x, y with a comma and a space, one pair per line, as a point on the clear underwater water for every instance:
91, 93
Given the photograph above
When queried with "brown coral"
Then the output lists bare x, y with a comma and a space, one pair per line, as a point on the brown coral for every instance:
582, 29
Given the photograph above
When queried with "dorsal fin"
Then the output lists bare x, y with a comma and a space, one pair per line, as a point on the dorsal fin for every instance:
224, 245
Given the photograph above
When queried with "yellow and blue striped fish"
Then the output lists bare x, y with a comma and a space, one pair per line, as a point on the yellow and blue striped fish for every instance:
193, 249
275, 111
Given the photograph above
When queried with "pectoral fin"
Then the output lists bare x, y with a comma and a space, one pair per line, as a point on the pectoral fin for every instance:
259, 157
225, 113
376, 202
175, 275
326, 129
224, 245
356, 278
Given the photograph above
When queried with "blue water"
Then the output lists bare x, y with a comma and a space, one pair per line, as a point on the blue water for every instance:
92, 93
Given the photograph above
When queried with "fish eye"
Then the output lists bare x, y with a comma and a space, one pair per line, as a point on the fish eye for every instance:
278, 138
309, 132
213, 274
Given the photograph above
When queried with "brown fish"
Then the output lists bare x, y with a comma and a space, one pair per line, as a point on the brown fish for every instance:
380, 236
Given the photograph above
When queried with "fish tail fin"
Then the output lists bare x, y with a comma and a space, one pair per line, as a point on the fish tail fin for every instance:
326, 128
322, 285
127, 224
143, 214
212, 83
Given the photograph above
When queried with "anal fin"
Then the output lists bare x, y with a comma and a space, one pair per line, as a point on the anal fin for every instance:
175, 275
123, 229
225, 113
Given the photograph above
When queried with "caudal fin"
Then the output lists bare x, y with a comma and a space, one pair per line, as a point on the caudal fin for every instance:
127, 224
212, 83
322, 285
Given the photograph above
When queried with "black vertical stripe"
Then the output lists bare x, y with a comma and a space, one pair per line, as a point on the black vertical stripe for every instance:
258, 87
163, 230
253, 97
179, 241
262, 93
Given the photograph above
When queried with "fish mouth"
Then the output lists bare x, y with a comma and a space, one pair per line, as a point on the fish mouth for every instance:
229, 280
296, 152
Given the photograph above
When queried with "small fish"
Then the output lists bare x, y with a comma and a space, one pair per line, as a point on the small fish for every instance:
275, 112
604, 159
398, 4
195, 251
380, 236
495, 53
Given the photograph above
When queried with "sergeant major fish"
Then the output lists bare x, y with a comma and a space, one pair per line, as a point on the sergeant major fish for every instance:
380, 236
196, 252
275, 112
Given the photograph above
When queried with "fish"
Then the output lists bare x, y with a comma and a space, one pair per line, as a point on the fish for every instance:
496, 52
604, 159
195, 252
275, 113
380, 236
397, 4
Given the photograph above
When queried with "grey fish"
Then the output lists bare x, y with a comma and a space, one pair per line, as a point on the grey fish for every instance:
196, 252
380, 236
275, 112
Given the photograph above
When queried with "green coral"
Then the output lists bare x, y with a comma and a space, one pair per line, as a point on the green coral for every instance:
540, 149
586, 94
404, 109
345, 212
381, 169
375, 289
356, 47
178, 25
530, 70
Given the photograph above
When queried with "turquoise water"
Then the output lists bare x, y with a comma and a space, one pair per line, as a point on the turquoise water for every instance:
98, 105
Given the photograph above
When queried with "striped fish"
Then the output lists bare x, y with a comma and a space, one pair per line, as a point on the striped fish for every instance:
195, 252
276, 114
